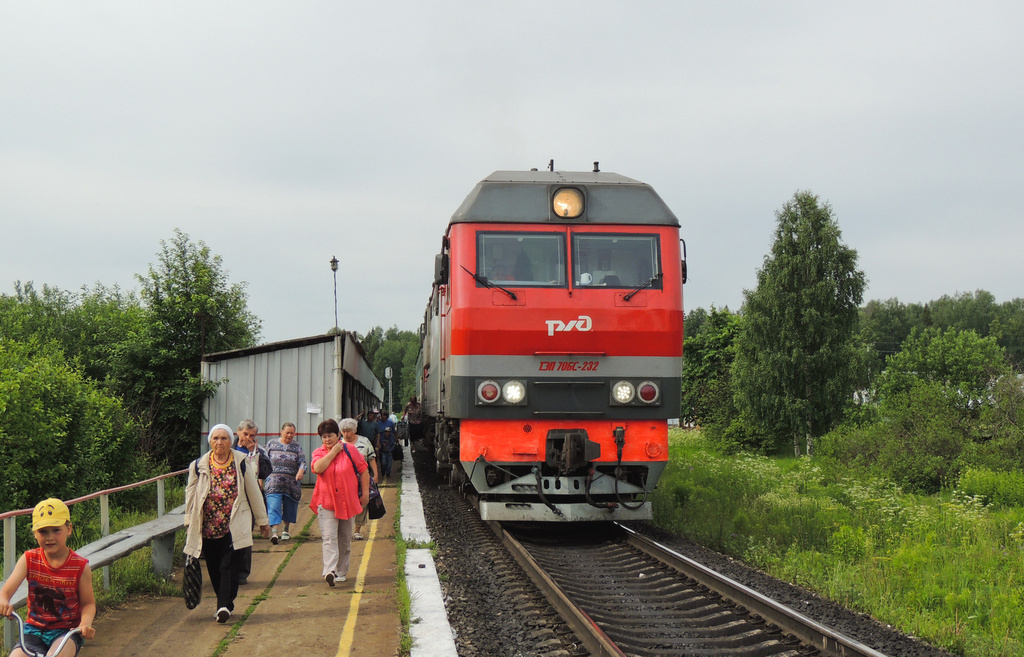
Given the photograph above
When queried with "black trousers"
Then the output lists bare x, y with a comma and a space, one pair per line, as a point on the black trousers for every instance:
223, 564
415, 432
244, 563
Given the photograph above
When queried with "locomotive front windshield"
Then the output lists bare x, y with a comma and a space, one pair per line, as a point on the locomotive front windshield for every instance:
522, 259
614, 260
611, 260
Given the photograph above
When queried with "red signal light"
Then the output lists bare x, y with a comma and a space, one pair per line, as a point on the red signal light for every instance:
648, 392
489, 391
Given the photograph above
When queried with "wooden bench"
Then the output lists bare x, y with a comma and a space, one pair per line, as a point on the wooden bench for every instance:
105, 551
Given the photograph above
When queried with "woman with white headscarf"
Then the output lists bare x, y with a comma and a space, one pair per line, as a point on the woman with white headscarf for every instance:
222, 499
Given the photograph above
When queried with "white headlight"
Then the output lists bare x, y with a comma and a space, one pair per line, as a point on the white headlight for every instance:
623, 392
513, 392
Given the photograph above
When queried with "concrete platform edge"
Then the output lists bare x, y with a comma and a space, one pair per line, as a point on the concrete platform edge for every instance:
429, 627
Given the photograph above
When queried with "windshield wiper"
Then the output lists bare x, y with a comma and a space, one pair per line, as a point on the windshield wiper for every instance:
650, 282
482, 280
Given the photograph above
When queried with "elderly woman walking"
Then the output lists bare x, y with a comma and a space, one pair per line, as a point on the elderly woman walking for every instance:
222, 499
342, 490
365, 447
284, 484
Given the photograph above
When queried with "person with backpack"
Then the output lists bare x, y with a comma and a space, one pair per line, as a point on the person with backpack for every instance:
387, 446
222, 499
413, 414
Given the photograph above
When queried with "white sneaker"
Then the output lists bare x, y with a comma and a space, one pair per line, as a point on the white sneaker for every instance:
285, 536
329, 578
223, 615
357, 536
274, 539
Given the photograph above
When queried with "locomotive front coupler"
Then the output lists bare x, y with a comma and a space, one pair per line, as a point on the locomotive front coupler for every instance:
570, 450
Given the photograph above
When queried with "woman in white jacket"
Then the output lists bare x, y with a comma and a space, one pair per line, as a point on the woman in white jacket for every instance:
222, 499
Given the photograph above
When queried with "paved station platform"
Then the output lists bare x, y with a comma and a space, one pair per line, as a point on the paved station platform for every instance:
287, 608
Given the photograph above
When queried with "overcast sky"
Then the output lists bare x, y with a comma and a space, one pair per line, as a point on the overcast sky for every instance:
281, 134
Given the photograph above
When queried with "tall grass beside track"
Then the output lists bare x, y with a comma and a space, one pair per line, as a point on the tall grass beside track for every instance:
946, 568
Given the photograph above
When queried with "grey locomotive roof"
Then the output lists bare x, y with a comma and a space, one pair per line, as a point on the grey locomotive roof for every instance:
525, 197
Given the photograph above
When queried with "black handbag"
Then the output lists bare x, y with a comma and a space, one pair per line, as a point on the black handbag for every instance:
192, 582
396, 452
375, 507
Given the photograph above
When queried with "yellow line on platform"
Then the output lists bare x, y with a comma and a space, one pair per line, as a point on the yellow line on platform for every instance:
348, 633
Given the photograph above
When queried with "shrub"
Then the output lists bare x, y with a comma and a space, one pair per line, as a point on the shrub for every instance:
1004, 489
61, 435
918, 441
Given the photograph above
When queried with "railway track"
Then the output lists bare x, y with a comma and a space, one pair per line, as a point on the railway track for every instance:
624, 594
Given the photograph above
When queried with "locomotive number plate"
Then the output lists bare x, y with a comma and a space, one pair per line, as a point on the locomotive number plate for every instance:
569, 366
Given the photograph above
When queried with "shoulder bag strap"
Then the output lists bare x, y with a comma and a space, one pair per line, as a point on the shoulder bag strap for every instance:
344, 446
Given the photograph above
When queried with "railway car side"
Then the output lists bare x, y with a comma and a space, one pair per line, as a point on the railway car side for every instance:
552, 346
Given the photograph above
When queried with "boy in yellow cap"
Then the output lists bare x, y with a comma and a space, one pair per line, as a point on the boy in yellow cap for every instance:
60, 595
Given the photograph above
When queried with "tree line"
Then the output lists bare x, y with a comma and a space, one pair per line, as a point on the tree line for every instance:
398, 350
918, 392
102, 387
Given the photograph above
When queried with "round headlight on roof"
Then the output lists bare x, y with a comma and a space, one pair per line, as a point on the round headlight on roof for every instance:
567, 203
513, 392
623, 392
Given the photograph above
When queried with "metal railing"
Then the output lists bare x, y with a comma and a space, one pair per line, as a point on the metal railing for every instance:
10, 535
10, 518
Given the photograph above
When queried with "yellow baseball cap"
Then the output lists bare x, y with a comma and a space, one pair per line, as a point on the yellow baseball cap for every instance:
50, 513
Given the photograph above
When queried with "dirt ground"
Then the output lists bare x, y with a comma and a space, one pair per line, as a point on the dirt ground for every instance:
286, 608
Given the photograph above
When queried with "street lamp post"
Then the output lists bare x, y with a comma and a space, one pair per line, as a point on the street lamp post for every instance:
334, 268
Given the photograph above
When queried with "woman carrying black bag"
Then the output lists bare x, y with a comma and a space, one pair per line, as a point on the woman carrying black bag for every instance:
222, 501
342, 490
192, 582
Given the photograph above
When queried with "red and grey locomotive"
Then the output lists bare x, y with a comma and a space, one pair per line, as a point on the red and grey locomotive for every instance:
552, 346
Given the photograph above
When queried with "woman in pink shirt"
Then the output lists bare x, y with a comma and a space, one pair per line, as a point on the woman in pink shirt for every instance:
342, 490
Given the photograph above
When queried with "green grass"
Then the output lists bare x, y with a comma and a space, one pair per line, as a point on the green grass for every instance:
946, 568
402, 588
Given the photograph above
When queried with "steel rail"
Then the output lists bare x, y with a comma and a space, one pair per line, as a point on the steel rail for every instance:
807, 630
592, 636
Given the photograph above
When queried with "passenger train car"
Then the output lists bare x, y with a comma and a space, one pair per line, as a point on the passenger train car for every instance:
552, 346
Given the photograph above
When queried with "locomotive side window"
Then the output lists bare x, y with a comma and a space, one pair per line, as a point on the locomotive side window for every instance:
521, 259
615, 260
